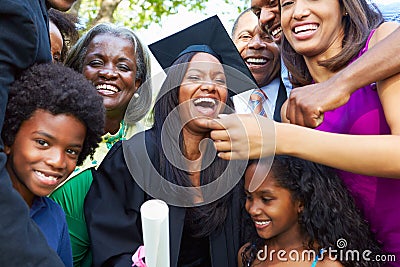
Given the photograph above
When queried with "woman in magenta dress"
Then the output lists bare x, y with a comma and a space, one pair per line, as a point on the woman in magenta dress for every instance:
321, 42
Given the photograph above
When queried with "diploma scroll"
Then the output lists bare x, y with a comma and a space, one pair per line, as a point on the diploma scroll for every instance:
155, 226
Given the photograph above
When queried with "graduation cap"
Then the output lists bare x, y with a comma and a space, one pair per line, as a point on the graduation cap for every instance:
211, 37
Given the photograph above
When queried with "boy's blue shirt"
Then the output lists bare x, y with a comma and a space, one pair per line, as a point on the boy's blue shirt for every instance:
50, 218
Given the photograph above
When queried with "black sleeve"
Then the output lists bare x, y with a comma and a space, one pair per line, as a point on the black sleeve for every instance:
21, 241
18, 45
112, 211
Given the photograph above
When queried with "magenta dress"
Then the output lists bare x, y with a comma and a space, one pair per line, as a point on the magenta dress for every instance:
378, 198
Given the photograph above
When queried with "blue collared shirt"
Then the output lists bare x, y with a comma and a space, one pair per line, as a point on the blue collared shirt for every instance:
50, 218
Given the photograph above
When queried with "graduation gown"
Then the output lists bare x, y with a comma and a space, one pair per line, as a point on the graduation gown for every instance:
112, 210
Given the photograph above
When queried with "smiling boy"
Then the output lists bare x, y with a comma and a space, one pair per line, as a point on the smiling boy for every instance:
54, 119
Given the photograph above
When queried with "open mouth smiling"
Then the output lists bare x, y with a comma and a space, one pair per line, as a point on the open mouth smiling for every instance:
261, 224
43, 176
107, 89
276, 33
206, 106
256, 61
48, 178
305, 29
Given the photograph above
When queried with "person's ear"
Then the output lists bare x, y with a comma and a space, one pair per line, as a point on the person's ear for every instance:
300, 207
344, 13
7, 149
138, 83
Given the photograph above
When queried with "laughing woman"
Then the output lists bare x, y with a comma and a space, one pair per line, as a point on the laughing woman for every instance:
204, 226
117, 63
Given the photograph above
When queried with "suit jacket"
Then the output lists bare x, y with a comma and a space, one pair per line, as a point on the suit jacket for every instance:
112, 210
24, 40
282, 96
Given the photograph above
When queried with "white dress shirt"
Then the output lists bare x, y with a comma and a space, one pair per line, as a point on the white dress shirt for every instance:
241, 100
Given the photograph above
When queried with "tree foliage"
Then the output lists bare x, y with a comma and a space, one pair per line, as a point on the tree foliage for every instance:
136, 14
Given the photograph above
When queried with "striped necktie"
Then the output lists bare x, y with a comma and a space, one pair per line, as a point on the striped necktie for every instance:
257, 99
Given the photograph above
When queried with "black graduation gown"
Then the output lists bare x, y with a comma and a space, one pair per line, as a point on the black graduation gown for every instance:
112, 210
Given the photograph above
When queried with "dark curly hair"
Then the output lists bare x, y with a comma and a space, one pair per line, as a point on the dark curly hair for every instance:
66, 24
59, 90
329, 212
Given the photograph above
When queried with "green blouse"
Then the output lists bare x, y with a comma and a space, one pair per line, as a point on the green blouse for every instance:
71, 195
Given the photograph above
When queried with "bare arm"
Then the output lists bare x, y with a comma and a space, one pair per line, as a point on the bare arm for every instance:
373, 155
249, 136
306, 105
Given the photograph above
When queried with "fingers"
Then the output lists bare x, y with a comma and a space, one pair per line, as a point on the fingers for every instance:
220, 135
210, 124
223, 146
299, 116
226, 155
308, 118
314, 122
222, 122
225, 150
244, 136
303, 110
291, 108
294, 109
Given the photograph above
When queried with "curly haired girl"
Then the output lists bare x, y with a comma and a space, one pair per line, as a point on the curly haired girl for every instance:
302, 212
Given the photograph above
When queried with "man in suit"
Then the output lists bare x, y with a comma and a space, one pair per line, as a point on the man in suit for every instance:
24, 40
262, 57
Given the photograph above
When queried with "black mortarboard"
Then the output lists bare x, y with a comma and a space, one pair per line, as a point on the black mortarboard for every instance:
211, 37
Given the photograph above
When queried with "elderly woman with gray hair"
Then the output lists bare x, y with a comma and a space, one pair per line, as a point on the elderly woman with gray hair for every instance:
118, 64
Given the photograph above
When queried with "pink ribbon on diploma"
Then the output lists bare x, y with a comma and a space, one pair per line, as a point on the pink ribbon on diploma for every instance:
138, 257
